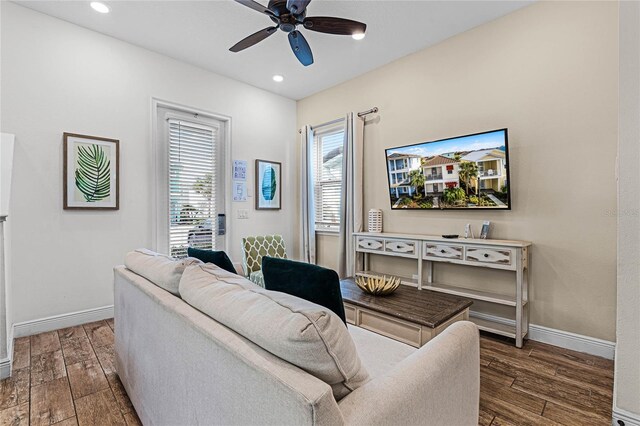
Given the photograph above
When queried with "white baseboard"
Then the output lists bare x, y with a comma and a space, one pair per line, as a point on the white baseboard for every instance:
56, 322
576, 342
5, 364
5, 368
624, 418
563, 339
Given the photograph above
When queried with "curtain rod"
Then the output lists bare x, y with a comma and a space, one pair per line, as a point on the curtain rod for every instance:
367, 112
360, 114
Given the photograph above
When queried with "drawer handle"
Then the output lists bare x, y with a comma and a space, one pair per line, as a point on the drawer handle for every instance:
443, 251
486, 255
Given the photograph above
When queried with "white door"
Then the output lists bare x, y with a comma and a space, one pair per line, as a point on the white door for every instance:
190, 173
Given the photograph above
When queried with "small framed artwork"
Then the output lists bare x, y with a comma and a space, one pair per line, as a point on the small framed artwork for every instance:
91, 167
268, 185
484, 232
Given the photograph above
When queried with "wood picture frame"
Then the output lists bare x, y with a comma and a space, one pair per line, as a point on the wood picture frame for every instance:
268, 189
91, 172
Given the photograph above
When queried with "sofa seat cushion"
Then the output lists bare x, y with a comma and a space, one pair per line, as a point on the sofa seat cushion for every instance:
378, 353
302, 333
218, 258
162, 270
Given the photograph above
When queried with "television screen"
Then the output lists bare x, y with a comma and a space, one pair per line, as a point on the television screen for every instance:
464, 172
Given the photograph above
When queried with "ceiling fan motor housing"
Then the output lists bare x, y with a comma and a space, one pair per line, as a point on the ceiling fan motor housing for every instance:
282, 16
278, 7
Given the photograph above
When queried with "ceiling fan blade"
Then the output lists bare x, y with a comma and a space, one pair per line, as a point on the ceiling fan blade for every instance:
297, 7
331, 25
253, 39
256, 6
300, 48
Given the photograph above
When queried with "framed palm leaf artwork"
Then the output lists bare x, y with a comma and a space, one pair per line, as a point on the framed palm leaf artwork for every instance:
268, 185
91, 168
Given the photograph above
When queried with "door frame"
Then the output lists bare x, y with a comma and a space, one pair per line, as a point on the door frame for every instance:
156, 233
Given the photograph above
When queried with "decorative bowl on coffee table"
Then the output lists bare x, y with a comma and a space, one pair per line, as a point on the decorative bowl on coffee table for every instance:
378, 286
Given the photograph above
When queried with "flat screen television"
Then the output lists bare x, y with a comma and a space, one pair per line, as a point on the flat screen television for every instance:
463, 172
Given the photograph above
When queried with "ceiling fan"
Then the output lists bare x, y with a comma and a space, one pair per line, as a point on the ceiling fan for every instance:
287, 15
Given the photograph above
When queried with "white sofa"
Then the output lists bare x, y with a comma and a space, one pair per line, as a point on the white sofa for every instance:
181, 367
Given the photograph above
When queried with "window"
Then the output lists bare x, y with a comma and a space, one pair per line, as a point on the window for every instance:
327, 161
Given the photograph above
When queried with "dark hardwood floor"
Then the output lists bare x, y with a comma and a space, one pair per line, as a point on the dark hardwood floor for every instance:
542, 384
67, 377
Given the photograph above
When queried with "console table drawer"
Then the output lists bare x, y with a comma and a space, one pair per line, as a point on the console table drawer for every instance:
489, 255
388, 326
370, 243
446, 251
406, 248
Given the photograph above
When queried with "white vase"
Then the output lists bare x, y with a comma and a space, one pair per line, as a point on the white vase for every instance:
375, 220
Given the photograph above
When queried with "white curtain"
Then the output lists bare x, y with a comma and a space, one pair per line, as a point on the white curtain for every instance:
351, 213
307, 232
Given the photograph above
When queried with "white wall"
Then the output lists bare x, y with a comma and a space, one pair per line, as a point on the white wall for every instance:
627, 374
58, 77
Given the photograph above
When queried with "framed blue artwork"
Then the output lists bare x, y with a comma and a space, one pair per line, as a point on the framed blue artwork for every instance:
268, 185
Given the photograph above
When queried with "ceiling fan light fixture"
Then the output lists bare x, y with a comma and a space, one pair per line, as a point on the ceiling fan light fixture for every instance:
99, 7
357, 36
278, 78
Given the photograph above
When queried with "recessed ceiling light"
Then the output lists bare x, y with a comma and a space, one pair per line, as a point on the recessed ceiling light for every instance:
278, 78
357, 36
99, 7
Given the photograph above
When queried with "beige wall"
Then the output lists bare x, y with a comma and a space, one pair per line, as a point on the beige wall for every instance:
549, 73
627, 374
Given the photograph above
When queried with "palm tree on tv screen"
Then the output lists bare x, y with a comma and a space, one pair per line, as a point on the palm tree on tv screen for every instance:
468, 170
417, 180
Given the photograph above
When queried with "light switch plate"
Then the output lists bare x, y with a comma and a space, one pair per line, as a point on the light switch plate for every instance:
243, 214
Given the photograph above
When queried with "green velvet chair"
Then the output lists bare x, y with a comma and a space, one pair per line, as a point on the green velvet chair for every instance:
253, 248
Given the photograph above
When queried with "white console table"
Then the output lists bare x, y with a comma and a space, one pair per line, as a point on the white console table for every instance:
428, 250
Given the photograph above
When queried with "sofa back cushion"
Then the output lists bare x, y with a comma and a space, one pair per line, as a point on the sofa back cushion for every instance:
162, 270
300, 332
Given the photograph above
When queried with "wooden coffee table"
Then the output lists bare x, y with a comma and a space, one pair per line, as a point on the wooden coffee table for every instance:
408, 315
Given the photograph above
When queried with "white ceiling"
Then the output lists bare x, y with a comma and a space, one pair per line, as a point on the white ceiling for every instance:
201, 32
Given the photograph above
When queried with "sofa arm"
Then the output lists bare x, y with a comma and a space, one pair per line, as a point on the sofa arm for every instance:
437, 385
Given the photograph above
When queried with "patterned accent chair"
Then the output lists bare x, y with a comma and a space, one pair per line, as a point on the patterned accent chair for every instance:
253, 248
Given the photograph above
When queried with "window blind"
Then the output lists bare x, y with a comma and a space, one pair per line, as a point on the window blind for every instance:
328, 147
192, 189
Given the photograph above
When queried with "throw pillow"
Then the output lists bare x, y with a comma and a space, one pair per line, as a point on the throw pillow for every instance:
218, 258
310, 282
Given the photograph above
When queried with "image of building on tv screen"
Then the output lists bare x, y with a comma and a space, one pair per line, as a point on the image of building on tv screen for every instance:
464, 172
